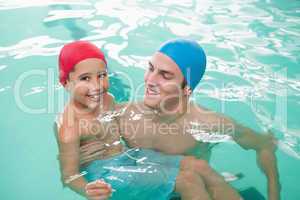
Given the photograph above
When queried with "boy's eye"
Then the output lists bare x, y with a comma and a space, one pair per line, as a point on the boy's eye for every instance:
102, 75
85, 78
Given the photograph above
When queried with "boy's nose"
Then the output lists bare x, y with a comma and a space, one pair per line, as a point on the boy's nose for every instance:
96, 84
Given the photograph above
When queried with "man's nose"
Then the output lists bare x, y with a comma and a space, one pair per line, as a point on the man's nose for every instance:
151, 78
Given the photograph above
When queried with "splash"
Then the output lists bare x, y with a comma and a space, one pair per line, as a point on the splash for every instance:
204, 136
110, 115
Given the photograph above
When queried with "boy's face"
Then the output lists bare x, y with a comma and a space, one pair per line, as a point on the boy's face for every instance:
88, 82
163, 83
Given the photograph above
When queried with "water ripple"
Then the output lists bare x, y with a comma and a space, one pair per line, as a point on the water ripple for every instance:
2, 67
14, 4
35, 90
32, 47
3, 89
54, 15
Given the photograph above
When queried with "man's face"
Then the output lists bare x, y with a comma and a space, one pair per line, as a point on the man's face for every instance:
163, 83
89, 82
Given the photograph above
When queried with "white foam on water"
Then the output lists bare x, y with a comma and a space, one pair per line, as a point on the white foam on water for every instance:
2, 67
35, 90
34, 46
15, 4
55, 15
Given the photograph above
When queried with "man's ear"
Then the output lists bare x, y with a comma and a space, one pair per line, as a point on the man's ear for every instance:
187, 90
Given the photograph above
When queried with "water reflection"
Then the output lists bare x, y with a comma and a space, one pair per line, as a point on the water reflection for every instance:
58, 12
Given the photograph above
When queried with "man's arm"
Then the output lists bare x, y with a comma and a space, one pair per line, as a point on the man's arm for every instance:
263, 144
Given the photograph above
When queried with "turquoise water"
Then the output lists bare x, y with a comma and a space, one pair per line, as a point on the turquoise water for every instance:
253, 76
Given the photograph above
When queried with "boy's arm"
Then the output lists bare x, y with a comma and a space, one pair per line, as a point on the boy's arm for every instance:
68, 143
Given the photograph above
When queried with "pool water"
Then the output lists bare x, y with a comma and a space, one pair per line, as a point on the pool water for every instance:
253, 76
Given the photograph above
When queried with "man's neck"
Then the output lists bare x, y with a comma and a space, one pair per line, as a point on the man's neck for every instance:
171, 115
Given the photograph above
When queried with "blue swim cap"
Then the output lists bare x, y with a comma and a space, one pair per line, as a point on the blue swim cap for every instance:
189, 56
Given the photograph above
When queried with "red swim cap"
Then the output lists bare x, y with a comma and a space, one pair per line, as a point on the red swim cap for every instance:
74, 52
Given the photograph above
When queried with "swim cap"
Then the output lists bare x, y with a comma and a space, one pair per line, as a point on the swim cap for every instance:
189, 56
74, 52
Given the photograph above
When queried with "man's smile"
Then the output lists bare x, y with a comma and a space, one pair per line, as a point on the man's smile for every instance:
151, 91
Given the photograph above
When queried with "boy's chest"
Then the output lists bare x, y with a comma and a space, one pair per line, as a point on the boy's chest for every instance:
91, 128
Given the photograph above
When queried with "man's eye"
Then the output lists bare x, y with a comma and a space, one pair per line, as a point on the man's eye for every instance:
167, 76
151, 69
85, 78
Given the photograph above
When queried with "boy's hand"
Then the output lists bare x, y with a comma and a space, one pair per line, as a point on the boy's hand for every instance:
98, 190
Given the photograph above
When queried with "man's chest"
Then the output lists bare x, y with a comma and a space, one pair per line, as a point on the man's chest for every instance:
166, 137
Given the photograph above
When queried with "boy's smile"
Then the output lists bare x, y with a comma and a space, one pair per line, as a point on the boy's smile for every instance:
88, 82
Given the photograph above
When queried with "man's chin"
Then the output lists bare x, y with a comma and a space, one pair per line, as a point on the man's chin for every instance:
151, 103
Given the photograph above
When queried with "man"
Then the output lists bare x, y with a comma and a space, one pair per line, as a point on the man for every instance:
167, 121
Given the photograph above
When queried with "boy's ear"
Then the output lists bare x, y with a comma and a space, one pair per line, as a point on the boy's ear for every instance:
68, 85
187, 90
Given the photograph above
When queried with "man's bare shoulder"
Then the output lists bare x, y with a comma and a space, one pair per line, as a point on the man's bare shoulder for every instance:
196, 110
204, 114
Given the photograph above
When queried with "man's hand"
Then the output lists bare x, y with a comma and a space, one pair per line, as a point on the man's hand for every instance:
98, 190
266, 154
266, 160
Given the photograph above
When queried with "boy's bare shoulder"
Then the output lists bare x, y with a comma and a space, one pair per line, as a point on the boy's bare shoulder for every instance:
129, 107
111, 97
111, 100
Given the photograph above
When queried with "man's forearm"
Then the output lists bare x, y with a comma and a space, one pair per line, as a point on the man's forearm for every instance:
266, 160
264, 145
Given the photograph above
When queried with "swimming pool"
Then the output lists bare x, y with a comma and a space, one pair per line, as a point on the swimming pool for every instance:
252, 75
